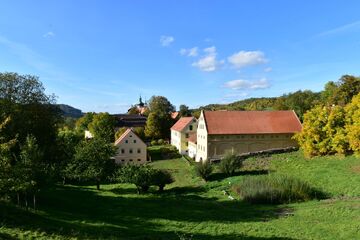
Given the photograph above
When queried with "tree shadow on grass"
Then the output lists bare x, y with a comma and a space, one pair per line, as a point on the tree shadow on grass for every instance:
83, 213
220, 176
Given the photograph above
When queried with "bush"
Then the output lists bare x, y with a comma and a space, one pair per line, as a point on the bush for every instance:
204, 169
275, 189
140, 175
229, 164
160, 178
154, 143
161, 142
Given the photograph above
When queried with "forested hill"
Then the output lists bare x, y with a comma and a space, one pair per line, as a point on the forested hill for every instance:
246, 104
69, 111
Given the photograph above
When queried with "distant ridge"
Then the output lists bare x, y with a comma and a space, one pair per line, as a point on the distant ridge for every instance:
69, 111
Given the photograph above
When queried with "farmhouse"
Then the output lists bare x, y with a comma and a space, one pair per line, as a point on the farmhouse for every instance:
130, 149
180, 133
237, 132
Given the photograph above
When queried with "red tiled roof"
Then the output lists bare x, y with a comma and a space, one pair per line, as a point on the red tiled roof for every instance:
192, 137
251, 122
181, 123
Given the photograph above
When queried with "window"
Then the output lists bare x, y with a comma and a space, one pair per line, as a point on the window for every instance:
139, 150
130, 151
130, 160
122, 160
191, 127
122, 150
130, 135
134, 141
139, 159
187, 135
126, 141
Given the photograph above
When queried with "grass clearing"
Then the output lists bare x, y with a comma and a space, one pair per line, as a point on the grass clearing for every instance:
190, 206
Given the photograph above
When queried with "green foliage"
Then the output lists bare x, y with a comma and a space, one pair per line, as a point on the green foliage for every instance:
229, 164
120, 132
341, 92
161, 152
32, 112
204, 169
92, 161
161, 142
102, 126
352, 126
275, 189
159, 120
300, 102
140, 175
82, 123
161, 178
154, 142
184, 111
67, 141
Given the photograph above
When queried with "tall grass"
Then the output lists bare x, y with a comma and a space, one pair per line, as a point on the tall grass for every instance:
275, 189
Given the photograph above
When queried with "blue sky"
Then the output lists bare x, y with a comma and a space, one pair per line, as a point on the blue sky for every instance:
101, 55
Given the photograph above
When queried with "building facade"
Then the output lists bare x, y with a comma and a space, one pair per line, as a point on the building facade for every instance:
181, 131
237, 132
130, 149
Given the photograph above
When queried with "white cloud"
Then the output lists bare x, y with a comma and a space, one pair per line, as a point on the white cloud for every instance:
268, 69
166, 40
246, 84
247, 58
191, 52
208, 62
49, 35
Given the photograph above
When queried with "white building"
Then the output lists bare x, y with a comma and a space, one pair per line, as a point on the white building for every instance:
130, 149
181, 132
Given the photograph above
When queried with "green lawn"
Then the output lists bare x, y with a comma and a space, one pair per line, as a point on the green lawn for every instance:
193, 209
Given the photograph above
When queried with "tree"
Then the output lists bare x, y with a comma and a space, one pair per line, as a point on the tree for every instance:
119, 132
329, 93
352, 125
348, 87
92, 161
140, 175
184, 111
32, 112
159, 120
300, 102
323, 131
102, 126
160, 178
203, 169
5, 159
133, 110
229, 164
82, 123
67, 141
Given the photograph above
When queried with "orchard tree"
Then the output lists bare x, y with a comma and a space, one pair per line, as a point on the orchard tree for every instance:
102, 126
92, 161
353, 124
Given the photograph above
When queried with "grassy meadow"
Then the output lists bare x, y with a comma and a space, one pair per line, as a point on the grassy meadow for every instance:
193, 209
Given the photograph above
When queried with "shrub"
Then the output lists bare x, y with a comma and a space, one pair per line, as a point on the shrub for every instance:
140, 175
229, 164
169, 152
203, 169
275, 189
160, 178
154, 143
161, 142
